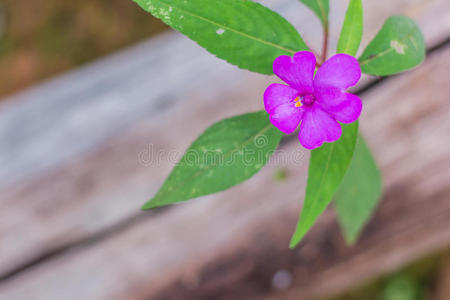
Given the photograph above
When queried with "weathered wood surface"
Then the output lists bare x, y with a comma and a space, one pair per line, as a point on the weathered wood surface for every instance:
229, 245
84, 167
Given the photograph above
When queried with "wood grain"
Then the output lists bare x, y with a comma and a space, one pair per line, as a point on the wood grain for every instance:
229, 245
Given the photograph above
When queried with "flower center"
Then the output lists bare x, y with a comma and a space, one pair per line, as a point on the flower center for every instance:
297, 101
307, 100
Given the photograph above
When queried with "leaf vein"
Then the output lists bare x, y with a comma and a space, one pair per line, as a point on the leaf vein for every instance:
383, 53
242, 145
230, 29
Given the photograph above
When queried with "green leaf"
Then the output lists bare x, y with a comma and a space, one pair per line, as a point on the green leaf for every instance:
398, 46
226, 154
320, 8
327, 167
352, 29
244, 33
359, 192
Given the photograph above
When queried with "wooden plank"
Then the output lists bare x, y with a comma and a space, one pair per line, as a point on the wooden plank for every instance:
133, 85
76, 160
230, 245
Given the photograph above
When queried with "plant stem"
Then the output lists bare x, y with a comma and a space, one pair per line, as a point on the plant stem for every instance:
325, 43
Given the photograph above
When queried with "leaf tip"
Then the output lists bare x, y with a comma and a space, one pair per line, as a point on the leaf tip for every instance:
296, 239
350, 240
149, 205
292, 245
145, 207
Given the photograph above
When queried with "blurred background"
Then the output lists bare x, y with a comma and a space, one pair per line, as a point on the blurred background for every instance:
98, 101
42, 38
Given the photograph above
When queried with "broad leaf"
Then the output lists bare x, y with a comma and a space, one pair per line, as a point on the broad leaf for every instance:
244, 33
359, 192
327, 167
320, 8
398, 46
226, 154
352, 29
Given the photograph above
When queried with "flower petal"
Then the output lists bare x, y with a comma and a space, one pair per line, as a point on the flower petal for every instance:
348, 110
286, 119
340, 71
318, 127
329, 97
277, 94
279, 103
345, 107
297, 71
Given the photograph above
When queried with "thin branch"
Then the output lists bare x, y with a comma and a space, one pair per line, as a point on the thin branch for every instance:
325, 43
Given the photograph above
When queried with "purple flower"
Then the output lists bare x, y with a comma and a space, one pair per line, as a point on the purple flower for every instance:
317, 103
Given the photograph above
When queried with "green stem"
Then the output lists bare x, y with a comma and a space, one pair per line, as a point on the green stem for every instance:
325, 43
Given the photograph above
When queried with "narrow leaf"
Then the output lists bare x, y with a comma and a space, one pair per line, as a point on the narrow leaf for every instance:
398, 46
320, 8
327, 167
226, 154
244, 33
359, 193
352, 29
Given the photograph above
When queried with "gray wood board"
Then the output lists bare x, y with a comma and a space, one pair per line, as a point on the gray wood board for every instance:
231, 244
75, 151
